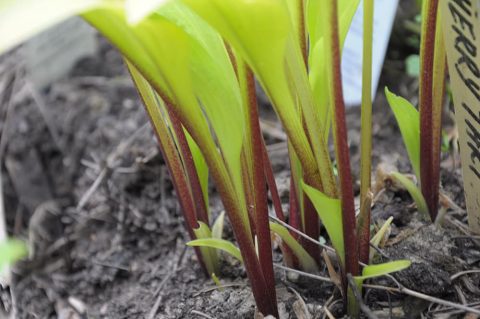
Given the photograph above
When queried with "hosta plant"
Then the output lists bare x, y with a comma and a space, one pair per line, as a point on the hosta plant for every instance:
195, 63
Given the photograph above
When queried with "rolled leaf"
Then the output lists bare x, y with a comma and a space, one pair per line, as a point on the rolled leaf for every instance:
221, 244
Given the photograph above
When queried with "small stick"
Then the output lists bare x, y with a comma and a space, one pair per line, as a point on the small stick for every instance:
301, 234
461, 273
305, 274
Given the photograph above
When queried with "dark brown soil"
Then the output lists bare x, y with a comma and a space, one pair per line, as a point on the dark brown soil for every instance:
84, 183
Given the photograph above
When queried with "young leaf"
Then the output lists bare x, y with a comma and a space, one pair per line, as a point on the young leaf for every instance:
10, 251
221, 244
372, 271
330, 212
414, 191
210, 256
306, 261
259, 31
214, 82
409, 122
217, 228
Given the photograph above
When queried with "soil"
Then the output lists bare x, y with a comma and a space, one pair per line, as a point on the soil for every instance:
84, 183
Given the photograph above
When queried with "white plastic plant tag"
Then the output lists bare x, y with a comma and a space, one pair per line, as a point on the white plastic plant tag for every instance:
384, 15
461, 27
51, 54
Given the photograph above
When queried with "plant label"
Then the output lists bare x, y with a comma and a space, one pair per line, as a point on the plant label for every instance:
51, 55
461, 27
384, 15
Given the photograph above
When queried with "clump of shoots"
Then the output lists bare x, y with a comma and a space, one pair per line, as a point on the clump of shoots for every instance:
421, 130
195, 63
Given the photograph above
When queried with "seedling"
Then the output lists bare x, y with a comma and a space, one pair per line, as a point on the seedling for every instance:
10, 251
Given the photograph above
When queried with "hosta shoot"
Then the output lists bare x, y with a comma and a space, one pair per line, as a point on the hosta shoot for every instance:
195, 63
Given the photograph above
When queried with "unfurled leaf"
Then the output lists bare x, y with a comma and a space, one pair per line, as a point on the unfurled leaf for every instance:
372, 271
259, 31
409, 122
221, 244
378, 270
10, 251
306, 261
330, 212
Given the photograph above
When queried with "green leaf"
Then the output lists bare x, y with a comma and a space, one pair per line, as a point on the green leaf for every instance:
330, 212
11, 250
259, 31
317, 57
346, 12
408, 120
221, 244
372, 271
200, 166
22, 19
414, 191
306, 261
217, 228
161, 52
210, 256
214, 83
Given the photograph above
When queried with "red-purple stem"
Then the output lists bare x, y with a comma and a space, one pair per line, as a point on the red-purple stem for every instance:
260, 189
342, 152
272, 184
180, 183
427, 170
288, 256
190, 169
